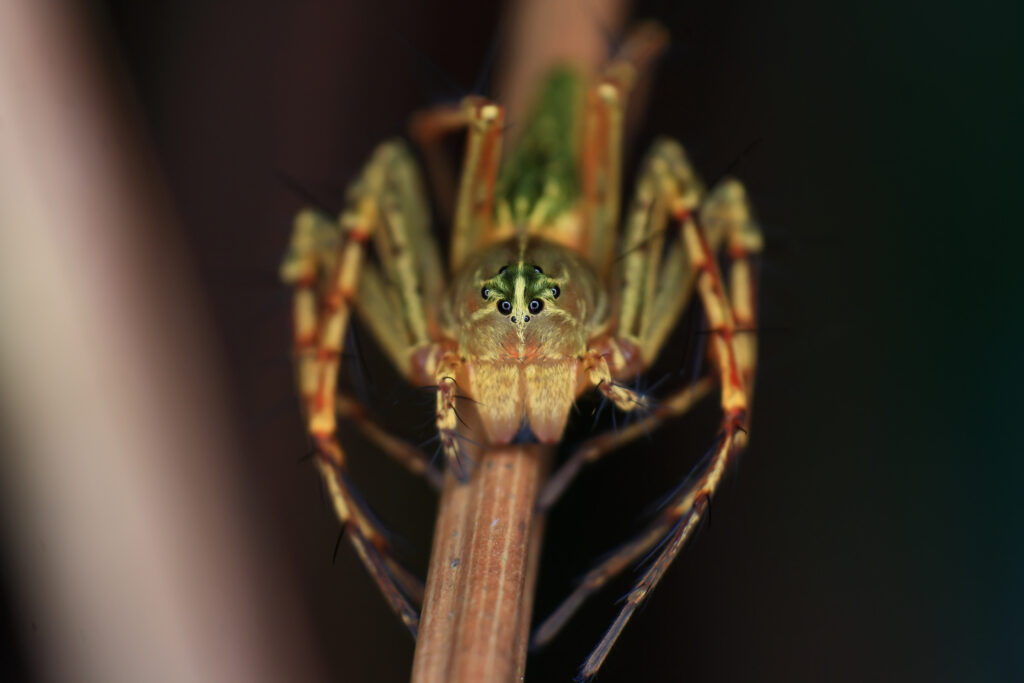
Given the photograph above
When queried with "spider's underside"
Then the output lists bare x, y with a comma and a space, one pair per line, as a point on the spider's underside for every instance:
541, 300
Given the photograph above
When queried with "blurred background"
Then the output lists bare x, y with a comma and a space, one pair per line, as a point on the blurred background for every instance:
872, 529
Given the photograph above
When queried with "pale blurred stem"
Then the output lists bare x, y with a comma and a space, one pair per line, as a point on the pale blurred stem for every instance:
129, 537
483, 565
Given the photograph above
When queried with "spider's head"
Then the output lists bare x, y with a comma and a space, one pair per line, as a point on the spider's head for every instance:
521, 292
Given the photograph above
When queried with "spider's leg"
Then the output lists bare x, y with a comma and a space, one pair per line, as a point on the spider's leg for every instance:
474, 206
601, 148
396, 583
407, 252
690, 504
598, 446
667, 534
392, 300
324, 264
427, 128
473, 226
679, 268
447, 369
680, 533
403, 452
622, 558
657, 279
473, 223
727, 211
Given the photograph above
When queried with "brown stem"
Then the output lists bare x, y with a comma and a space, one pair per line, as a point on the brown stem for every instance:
483, 567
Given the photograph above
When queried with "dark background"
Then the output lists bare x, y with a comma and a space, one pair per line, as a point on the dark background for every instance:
871, 530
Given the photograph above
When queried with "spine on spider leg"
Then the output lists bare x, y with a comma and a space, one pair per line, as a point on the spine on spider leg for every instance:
483, 567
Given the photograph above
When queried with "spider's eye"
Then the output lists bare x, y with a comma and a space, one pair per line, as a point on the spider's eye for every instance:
537, 269
502, 270
504, 306
485, 293
536, 305
555, 291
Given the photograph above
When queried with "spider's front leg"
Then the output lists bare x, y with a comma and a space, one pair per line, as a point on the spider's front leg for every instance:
328, 268
659, 275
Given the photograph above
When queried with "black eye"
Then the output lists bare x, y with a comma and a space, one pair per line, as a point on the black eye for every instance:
555, 291
536, 305
502, 270
504, 307
485, 293
537, 269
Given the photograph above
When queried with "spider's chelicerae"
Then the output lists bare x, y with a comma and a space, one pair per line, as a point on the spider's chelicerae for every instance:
542, 298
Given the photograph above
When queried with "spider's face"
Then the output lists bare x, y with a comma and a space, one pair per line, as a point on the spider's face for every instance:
521, 291
521, 304
522, 316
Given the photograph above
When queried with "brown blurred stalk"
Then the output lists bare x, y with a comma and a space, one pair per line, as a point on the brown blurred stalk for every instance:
483, 566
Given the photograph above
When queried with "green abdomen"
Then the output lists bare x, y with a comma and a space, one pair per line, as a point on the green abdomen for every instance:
543, 165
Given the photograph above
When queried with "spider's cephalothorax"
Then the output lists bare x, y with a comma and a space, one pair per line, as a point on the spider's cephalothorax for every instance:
522, 315
542, 297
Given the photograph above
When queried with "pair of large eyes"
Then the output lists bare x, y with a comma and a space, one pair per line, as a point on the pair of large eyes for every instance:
535, 305
505, 306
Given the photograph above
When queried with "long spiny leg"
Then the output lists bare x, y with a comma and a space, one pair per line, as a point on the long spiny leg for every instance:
618, 561
311, 251
681, 533
473, 226
597, 447
474, 206
392, 295
657, 281
727, 211
427, 128
672, 187
324, 264
724, 214
405, 247
690, 504
392, 303
403, 452
601, 153
370, 542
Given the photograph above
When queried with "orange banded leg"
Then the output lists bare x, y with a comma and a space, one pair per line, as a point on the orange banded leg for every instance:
727, 211
690, 504
676, 524
324, 263
603, 131
474, 206
314, 239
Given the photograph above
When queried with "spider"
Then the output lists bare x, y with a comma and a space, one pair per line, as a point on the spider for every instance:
541, 299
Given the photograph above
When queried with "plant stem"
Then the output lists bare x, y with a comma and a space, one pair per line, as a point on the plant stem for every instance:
483, 567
